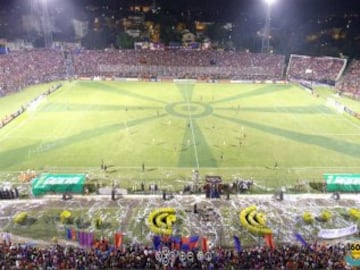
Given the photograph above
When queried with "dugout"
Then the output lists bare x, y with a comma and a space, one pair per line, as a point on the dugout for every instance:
58, 183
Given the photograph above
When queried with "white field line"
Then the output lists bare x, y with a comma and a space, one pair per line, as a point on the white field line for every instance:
336, 134
192, 131
296, 119
292, 116
319, 134
342, 118
96, 168
29, 116
13, 128
352, 123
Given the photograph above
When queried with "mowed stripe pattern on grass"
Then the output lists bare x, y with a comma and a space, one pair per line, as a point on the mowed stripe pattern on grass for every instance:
232, 126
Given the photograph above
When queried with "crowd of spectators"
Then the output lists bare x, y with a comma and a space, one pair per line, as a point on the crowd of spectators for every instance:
179, 64
324, 70
19, 69
350, 82
287, 256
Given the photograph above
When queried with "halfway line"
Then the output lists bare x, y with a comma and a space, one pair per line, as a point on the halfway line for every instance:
192, 131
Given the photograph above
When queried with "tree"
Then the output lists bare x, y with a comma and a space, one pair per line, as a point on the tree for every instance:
218, 33
168, 33
99, 39
124, 41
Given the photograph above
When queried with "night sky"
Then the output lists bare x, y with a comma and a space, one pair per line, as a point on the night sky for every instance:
289, 17
223, 9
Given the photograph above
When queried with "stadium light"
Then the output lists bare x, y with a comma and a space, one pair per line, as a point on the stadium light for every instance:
46, 23
265, 41
270, 2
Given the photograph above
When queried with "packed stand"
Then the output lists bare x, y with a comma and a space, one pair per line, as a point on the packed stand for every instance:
19, 69
350, 82
179, 64
324, 70
316, 256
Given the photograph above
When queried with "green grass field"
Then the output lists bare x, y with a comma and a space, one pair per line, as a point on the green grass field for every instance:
276, 134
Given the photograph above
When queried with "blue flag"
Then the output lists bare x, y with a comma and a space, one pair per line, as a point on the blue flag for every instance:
302, 240
157, 242
185, 243
237, 244
175, 242
193, 240
68, 233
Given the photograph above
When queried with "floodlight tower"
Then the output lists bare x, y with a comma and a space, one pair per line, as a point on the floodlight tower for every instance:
46, 23
265, 41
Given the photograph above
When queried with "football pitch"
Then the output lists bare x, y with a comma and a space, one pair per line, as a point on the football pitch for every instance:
275, 134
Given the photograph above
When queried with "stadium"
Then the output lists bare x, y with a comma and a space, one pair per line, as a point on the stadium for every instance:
177, 158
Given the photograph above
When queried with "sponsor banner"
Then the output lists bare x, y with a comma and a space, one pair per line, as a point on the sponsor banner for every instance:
58, 183
184, 81
337, 233
241, 81
126, 79
342, 182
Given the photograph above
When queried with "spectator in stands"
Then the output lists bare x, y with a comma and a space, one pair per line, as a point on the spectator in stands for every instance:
325, 70
18, 256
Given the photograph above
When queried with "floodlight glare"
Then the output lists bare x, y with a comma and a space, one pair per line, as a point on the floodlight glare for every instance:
265, 41
270, 2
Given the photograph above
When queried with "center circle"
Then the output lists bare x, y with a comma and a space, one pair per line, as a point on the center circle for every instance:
186, 109
189, 108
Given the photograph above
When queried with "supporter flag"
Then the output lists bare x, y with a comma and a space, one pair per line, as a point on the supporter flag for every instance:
269, 241
92, 239
301, 239
204, 244
193, 241
237, 244
175, 242
157, 242
81, 238
118, 239
85, 238
188, 243
73, 234
185, 243
68, 233
89, 239
166, 240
